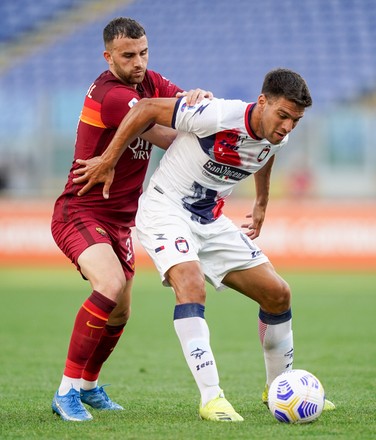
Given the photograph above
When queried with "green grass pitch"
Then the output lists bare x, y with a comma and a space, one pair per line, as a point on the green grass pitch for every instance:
334, 332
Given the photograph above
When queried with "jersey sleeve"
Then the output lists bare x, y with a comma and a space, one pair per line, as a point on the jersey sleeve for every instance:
208, 116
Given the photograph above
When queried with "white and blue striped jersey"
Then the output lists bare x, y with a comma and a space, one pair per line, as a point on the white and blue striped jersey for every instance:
215, 149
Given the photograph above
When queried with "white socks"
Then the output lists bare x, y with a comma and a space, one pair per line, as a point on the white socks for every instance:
277, 341
88, 384
275, 335
193, 333
68, 382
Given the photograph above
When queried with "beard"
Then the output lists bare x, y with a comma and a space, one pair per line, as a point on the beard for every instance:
132, 78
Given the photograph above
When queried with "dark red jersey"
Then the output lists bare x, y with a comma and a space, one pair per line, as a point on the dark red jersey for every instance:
107, 101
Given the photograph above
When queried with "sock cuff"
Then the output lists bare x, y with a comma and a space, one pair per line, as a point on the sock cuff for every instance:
272, 319
189, 310
114, 330
102, 302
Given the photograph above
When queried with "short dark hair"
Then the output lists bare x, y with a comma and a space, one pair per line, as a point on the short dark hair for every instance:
288, 84
122, 27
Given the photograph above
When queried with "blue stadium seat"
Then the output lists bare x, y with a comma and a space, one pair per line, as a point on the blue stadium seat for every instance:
224, 46
19, 17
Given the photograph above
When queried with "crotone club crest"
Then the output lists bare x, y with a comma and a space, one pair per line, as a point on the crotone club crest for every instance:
181, 245
264, 153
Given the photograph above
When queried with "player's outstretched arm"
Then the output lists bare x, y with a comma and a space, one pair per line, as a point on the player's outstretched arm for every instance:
257, 217
102, 169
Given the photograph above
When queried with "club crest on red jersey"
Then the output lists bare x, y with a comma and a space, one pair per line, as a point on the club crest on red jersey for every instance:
101, 231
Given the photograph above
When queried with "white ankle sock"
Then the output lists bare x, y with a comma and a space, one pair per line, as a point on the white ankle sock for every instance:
193, 333
88, 384
67, 383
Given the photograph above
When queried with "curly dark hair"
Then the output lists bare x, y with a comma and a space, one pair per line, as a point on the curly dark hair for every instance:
288, 84
122, 27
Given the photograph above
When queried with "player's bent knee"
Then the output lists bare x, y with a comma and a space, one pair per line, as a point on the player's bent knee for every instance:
188, 282
278, 298
112, 287
192, 291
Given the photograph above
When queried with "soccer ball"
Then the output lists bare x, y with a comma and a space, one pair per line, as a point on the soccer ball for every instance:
296, 396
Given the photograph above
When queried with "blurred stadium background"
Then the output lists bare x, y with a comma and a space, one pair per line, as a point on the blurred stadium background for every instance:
322, 211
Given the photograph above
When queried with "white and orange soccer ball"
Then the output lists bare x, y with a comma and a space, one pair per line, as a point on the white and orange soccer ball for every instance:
296, 396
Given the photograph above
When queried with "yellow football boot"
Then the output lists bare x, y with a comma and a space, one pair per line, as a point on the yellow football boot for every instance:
219, 410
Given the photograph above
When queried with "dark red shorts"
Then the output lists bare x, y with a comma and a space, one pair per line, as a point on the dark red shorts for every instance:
78, 234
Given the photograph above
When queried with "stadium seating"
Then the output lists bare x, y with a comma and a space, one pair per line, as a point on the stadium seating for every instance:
20, 17
225, 46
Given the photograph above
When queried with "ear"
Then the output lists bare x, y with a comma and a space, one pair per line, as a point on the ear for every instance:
261, 100
107, 56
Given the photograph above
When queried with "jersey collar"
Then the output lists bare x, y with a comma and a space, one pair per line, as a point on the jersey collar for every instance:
247, 118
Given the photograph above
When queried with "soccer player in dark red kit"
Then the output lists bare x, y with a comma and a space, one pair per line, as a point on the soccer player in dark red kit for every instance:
95, 233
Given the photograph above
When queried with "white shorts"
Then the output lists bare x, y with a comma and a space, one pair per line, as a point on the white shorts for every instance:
170, 237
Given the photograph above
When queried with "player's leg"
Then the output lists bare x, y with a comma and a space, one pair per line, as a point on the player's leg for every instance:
264, 285
229, 258
91, 393
272, 293
188, 283
178, 265
99, 264
123, 275
110, 337
166, 235
88, 245
104, 255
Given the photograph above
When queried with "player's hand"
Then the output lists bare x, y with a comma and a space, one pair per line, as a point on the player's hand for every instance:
94, 171
253, 227
195, 96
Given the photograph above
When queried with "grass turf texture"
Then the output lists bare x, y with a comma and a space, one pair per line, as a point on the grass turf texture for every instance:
334, 330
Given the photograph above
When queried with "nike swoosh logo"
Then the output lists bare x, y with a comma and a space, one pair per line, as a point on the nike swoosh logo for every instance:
92, 326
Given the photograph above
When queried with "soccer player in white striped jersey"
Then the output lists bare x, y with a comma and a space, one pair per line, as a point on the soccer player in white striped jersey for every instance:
181, 225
